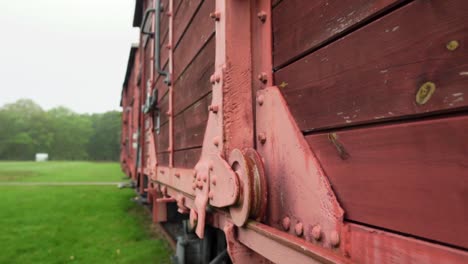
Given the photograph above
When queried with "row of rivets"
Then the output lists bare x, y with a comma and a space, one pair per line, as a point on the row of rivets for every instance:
316, 232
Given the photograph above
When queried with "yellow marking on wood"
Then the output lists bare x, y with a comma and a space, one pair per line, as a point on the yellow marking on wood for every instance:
452, 45
283, 84
425, 92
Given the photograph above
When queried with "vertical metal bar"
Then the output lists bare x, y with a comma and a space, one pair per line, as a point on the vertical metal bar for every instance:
141, 127
152, 46
170, 83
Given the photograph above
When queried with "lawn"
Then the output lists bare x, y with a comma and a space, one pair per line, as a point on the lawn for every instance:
74, 224
60, 171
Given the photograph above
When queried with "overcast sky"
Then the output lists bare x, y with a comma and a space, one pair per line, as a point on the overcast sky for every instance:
65, 52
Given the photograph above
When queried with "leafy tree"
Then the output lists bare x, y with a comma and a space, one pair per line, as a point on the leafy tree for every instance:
105, 141
26, 129
71, 133
23, 130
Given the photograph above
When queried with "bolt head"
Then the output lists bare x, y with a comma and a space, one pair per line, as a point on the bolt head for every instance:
217, 78
262, 77
200, 185
214, 108
262, 16
205, 178
213, 179
212, 79
262, 137
316, 232
299, 229
334, 239
216, 141
210, 195
177, 174
215, 15
286, 223
260, 99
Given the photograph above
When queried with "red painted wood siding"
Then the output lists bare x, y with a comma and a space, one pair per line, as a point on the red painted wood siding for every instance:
301, 25
198, 33
410, 177
194, 54
374, 74
195, 80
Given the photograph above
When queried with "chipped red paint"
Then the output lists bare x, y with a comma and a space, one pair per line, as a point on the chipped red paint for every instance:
266, 184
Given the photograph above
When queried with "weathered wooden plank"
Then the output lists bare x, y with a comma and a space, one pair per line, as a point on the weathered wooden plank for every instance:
410, 177
147, 62
162, 139
163, 108
194, 82
163, 158
190, 125
161, 86
301, 25
185, 12
274, 3
164, 20
164, 59
197, 34
376, 246
187, 158
376, 72
164, 34
165, 29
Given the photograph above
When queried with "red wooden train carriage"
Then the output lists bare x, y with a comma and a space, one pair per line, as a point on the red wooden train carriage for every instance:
300, 131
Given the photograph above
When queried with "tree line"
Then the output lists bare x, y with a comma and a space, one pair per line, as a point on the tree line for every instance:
27, 129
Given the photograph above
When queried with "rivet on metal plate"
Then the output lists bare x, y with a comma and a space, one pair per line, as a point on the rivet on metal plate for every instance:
316, 232
216, 141
334, 239
262, 77
260, 99
215, 15
286, 223
262, 137
262, 16
299, 229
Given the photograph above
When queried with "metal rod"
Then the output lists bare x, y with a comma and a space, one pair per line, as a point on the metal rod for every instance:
143, 24
221, 257
168, 81
158, 44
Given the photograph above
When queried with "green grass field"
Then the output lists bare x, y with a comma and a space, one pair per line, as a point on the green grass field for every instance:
60, 171
73, 224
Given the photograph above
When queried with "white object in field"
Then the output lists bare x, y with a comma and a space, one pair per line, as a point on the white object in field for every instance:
40, 157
